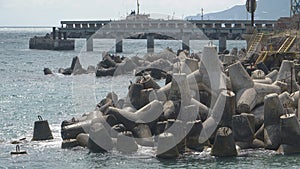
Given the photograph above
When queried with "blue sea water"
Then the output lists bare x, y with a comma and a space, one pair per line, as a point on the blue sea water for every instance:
26, 93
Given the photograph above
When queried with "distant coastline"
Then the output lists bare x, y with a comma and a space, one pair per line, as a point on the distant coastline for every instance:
26, 26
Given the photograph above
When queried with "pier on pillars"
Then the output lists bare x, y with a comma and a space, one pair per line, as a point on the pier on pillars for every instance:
150, 43
119, 44
186, 42
54, 32
59, 35
89, 44
222, 42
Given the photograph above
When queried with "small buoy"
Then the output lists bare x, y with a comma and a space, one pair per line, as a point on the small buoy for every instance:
41, 130
18, 151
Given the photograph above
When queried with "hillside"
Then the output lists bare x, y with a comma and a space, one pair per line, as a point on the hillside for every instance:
266, 9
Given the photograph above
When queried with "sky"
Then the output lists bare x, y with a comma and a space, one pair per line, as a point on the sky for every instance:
51, 12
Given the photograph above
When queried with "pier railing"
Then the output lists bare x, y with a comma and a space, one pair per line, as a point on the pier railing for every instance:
207, 26
178, 29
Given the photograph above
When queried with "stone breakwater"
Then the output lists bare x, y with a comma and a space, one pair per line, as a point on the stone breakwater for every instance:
204, 105
113, 65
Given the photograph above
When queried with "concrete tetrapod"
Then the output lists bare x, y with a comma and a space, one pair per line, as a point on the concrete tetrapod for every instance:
160, 127
287, 74
227, 110
71, 131
258, 113
190, 65
248, 98
286, 100
289, 129
166, 147
244, 129
142, 135
239, 77
41, 130
224, 145
258, 76
264, 89
99, 139
148, 82
83, 139
272, 111
220, 115
126, 143
148, 114
188, 113
288, 149
295, 97
273, 75
263, 81
180, 89
203, 109
177, 128
260, 133
200, 80
209, 77
69, 143
192, 138
211, 62
224, 108
170, 109
282, 85
290, 134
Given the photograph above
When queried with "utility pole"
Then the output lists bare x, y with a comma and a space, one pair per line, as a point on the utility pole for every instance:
138, 7
251, 7
201, 13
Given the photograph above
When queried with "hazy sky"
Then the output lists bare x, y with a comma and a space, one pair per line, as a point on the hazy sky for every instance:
51, 12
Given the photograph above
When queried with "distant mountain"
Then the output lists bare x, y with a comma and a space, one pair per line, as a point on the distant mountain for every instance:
266, 9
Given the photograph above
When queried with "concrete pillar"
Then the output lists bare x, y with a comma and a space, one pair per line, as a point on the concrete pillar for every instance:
54, 32
119, 45
222, 42
89, 44
150, 43
59, 35
186, 42
65, 35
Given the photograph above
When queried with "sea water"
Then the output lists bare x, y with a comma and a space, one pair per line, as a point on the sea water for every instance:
25, 93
